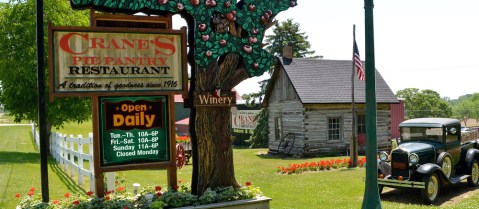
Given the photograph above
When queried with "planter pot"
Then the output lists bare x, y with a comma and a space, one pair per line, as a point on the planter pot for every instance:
256, 203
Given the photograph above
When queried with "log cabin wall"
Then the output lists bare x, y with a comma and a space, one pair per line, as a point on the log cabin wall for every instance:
286, 115
316, 128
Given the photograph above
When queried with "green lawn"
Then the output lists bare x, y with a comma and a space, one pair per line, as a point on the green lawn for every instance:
341, 188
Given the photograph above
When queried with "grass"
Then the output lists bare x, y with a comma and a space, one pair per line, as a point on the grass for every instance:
340, 188
20, 168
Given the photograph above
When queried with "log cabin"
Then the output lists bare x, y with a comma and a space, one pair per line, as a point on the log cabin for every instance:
310, 108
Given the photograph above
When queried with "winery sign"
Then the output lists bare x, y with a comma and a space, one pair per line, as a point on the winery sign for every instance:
89, 59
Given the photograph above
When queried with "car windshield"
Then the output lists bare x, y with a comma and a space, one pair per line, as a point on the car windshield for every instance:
420, 133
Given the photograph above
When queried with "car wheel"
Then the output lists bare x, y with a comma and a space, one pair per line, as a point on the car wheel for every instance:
474, 178
446, 164
431, 192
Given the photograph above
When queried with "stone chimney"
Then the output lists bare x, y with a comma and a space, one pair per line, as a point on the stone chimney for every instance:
287, 54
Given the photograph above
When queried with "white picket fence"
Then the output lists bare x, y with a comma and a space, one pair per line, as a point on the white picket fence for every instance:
68, 152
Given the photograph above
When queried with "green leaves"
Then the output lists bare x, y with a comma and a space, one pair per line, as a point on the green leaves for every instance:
424, 103
250, 17
18, 72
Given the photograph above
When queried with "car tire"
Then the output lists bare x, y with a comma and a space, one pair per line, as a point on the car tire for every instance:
431, 191
445, 162
473, 180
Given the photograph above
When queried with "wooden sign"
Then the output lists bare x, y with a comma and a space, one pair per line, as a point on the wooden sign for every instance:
85, 60
133, 130
212, 100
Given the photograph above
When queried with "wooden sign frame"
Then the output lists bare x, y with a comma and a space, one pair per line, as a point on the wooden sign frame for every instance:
170, 165
182, 89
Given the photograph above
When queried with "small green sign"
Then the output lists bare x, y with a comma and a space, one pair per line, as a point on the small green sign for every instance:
133, 130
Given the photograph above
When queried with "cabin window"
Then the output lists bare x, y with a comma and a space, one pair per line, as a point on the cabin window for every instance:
278, 128
361, 121
334, 128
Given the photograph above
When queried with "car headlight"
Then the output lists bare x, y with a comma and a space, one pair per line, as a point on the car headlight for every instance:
413, 158
383, 156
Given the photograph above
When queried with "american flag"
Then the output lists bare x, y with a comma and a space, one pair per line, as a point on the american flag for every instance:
358, 63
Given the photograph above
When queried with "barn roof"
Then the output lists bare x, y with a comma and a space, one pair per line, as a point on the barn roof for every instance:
320, 81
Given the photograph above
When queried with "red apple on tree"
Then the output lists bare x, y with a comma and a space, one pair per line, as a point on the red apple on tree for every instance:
210, 3
227, 4
252, 40
162, 2
230, 17
251, 7
195, 2
263, 19
205, 37
255, 65
223, 42
202, 27
208, 53
247, 48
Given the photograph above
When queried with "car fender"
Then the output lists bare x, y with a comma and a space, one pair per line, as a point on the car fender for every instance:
471, 155
429, 168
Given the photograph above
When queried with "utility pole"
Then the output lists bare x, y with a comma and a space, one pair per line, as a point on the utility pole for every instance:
371, 198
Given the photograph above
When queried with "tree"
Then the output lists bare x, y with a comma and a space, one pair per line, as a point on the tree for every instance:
227, 49
259, 138
288, 34
285, 34
424, 103
467, 108
18, 68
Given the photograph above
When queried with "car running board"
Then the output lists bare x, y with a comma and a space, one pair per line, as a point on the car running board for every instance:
457, 179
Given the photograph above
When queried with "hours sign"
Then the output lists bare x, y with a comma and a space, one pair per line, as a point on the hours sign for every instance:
133, 130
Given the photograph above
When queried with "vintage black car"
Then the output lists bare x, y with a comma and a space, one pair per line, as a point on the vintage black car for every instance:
431, 153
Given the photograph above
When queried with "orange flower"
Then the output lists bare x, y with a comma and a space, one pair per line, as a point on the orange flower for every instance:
107, 198
157, 188
32, 189
248, 183
56, 202
67, 195
119, 189
17, 195
76, 202
30, 193
180, 181
89, 193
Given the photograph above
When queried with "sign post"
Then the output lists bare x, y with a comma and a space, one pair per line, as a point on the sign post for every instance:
131, 75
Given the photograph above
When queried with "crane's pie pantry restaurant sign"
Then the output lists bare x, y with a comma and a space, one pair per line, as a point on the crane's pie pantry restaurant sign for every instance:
94, 59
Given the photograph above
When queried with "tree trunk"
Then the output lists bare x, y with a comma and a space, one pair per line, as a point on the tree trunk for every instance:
212, 124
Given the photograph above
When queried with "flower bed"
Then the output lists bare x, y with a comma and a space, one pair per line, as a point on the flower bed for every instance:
318, 166
153, 197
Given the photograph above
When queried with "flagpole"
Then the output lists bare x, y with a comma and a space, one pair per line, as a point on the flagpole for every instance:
353, 154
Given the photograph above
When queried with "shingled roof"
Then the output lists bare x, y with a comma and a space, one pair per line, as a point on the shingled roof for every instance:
320, 81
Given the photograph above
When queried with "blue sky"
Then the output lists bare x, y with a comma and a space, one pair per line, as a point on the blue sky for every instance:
425, 44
